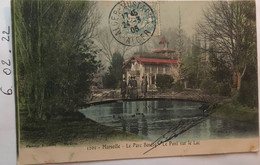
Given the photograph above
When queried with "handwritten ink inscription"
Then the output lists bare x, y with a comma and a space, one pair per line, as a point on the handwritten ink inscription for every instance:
6, 63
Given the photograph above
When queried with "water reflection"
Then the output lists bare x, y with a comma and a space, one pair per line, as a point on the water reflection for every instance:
150, 119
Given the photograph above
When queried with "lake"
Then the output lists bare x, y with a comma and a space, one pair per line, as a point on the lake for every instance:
152, 118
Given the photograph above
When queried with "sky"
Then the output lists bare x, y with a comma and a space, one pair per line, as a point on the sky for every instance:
191, 13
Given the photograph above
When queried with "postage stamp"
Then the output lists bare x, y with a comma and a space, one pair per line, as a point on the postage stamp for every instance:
133, 22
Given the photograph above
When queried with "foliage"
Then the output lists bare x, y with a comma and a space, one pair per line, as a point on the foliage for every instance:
230, 28
236, 111
55, 58
220, 70
228, 31
189, 70
209, 86
194, 69
180, 36
164, 82
224, 89
178, 86
220, 73
248, 93
113, 77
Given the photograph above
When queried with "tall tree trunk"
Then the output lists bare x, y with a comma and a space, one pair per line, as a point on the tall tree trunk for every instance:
239, 77
234, 80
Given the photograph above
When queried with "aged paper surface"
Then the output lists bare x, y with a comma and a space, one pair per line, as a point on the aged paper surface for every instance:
120, 80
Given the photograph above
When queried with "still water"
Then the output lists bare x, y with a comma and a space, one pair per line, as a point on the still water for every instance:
150, 119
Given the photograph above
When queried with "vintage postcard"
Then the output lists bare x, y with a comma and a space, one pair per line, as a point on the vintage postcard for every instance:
104, 80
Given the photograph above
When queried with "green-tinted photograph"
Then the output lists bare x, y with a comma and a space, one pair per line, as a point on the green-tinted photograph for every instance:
106, 75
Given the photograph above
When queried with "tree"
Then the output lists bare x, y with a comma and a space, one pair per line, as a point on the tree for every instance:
230, 28
193, 68
115, 71
248, 93
180, 42
54, 53
108, 45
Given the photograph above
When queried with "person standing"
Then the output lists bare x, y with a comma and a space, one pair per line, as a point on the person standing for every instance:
134, 88
129, 87
123, 88
129, 81
144, 84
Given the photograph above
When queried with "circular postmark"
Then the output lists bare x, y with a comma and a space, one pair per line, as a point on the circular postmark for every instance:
132, 23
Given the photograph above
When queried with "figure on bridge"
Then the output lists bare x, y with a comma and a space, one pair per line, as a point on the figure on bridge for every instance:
132, 88
144, 84
123, 88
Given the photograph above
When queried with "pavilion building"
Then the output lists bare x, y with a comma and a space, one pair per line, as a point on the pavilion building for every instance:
159, 61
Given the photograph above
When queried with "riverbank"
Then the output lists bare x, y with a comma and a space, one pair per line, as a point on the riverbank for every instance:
69, 128
233, 110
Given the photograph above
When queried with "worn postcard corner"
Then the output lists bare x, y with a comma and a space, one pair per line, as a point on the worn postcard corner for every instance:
105, 80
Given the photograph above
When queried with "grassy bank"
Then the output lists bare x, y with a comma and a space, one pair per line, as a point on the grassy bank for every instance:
71, 128
231, 109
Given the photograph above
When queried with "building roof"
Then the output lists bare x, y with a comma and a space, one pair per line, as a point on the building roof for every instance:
163, 40
152, 61
163, 51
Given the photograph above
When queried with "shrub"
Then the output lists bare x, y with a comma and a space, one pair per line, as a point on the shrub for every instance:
164, 82
248, 93
209, 86
224, 89
109, 81
178, 86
